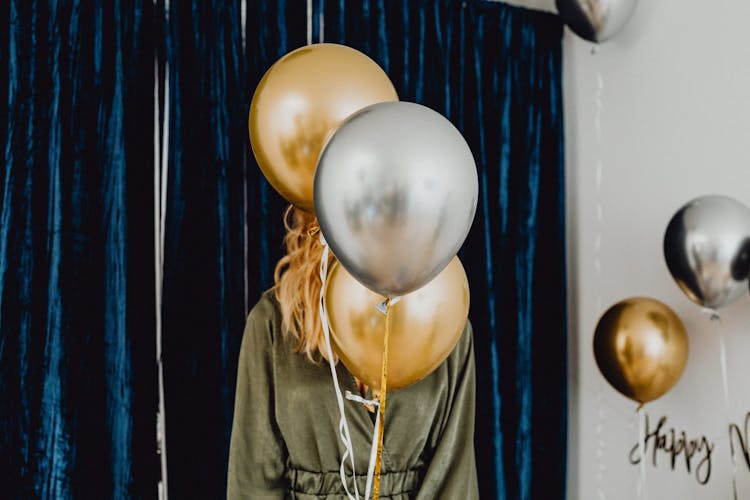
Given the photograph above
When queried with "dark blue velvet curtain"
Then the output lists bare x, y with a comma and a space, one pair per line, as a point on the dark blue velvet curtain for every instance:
495, 71
77, 371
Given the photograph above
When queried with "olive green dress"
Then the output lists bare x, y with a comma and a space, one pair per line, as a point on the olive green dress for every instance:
285, 440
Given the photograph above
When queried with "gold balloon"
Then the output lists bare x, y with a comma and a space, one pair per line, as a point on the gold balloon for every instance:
425, 326
299, 102
641, 348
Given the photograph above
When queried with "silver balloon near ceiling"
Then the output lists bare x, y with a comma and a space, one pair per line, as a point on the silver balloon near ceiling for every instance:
595, 20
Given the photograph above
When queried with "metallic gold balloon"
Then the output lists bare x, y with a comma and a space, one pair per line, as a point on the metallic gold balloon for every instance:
641, 348
300, 100
425, 325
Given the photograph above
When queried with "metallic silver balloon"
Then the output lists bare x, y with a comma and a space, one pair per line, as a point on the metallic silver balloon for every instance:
395, 194
707, 249
595, 20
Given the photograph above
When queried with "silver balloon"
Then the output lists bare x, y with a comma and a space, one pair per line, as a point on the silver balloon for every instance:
707, 249
595, 20
395, 194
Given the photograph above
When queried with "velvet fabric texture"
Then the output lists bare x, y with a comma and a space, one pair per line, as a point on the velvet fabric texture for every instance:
78, 383
77, 371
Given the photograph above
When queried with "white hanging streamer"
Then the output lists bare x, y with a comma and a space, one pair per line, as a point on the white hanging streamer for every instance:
245, 231
601, 468
164, 174
160, 208
321, 23
599, 174
309, 21
157, 268
243, 22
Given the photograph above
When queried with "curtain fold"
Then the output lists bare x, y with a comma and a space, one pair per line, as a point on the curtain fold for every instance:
78, 381
203, 299
77, 393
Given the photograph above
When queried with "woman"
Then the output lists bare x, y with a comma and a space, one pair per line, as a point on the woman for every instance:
285, 438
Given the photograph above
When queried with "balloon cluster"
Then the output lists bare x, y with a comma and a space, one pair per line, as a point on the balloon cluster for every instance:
394, 187
640, 344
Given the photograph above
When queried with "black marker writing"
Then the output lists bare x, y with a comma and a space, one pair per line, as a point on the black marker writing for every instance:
676, 444
734, 429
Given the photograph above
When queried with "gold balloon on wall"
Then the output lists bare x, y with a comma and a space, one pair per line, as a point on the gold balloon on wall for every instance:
641, 348
302, 99
425, 325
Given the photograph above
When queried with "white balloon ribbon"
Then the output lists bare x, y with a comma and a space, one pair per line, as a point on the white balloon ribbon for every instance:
641, 415
374, 446
344, 433
716, 319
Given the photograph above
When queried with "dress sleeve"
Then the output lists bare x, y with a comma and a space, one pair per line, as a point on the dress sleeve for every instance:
452, 473
257, 453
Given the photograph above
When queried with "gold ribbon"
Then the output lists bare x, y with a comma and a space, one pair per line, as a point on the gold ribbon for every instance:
381, 409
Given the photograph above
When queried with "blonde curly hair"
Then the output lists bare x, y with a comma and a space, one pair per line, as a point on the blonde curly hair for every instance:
297, 283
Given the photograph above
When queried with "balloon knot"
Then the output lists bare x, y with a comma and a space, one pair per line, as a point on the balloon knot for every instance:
712, 314
383, 306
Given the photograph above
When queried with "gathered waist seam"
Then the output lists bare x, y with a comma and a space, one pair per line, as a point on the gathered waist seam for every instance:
408, 479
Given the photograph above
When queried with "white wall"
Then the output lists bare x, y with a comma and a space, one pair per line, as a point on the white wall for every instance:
675, 124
